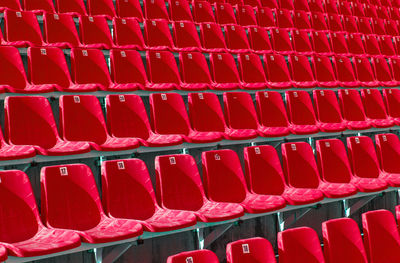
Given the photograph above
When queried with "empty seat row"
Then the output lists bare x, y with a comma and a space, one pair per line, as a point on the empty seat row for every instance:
342, 242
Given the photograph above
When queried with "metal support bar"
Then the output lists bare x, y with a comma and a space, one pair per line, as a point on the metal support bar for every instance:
346, 208
215, 234
98, 255
200, 238
29, 165
360, 203
117, 252
284, 223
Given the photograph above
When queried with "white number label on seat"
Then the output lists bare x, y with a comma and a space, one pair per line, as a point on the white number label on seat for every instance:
121, 165
63, 171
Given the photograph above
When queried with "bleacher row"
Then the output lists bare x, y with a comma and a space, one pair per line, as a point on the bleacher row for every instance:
342, 242
71, 209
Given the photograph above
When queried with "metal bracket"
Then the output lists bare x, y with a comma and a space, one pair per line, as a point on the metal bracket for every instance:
359, 204
113, 255
284, 223
205, 242
346, 208
98, 255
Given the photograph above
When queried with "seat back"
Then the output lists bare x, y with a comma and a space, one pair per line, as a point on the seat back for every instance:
271, 109
60, 29
194, 68
378, 26
41, 5
362, 156
281, 39
276, 69
387, 149
155, 9
129, 8
223, 68
255, 249
351, 105
22, 26
395, 65
211, 36
350, 23
355, 44
371, 45
251, 69
101, 7
224, 13
12, 71
162, 67
373, 104
127, 67
179, 10
11, 4
339, 44
300, 68
334, 21
94, 30
364, 25
323, 69
344, 69
71, 6
326, 106
392, 101
239, 110
157, 34
236, 37
301, 41
284, 18
198, 256
127, 32
185, 35
202, 12
299, 108
245, 15
259, 39
301, 20
381, 69
364, 70
386, 46
265, 17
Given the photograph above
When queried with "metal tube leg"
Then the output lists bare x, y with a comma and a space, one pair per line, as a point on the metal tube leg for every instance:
281, 221
346, 208
98, 255
200, 238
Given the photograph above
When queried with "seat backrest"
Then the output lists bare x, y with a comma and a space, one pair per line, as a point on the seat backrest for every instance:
345, 8
245, 15
198, 256
70, 198
286, 4
194, 67
381, 69
211, 36
284, 18
127, 67
223, 176
364, 25
335, 22
301, 5
392, 101
395, 66
155, 9
333, 164
59, 29
71, 6
387, 149
371, 45
378, 26
30, 121
127, 189
81, 119
202, 12
351, 105
48, 66
168, 114
259, 39
22, 26
299, 165
94, 30
386, 46
381, 236
101, 7
157, 34
41, 5
316, 6
127, 117
364, 70
205, 112
236, 37
344, 69
89, 66
299, 245
299, 108
127, 32
300, 68
323, 69
326, 106
271, 109
12, 71
129, 8
339, 44
373, 104
20, 219
239, 110
264, 173
251, 69
255, 249
265, 17
362, 156
343, 241
281, 39
391, 27
11, 4
355, 44
350, 23
301, 41
301, 20
185, 35
276, 69
162, 67
179, 10
224, 13
223, 68
178, 182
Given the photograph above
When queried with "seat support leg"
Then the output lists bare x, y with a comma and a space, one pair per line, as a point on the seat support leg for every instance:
117, 252
98, 255
360, 203
346, 208
287, 222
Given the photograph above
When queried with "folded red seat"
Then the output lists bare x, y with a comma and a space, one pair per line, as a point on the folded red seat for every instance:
353, 110
247, 250
127, 33
301, 113
327, 111
345, 73
392, 102
364, 73
375, 108
224, 72
259, 40
60, 30
212, 39
95, 32
40, 6
245, 15
281, 41
301, 42
265, 17
202, 12
383, 72
236, 39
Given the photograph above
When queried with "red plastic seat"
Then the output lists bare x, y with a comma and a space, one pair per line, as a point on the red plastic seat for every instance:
383, 72
370, 11
127, 33
392, 102
264, 176
224, 182
128, 193
270, 4
179, 10
358, 9
60, 30
343, 241
391, 27
259, 40
302, 74
265, 17
346, 75
194, 71
94, 32
364, 25
378, 26
386, 46
339, 44
129, 8
186, 37
81, 119
394, 64
224, 14
21, 29
301, 42
381, 236
157, 35
41, 6
355, 44
73, 7
12, 74
14, 152
335, 23
387, 146
323, 71
394, 13
10, 4
284, 19
70, 200
30, 121
202, 12
372, 45
236, 39
286, 4
301, 113
277, 72
127, 118
321, 43
352, 110
224, 72
299, 245
155, 9
345, 8
251, 72
162, 71
198, 256
179, 187
331, 6
316, 6
375, 108
382, 12
349, 23
301, 20
24, 234
169, 116
212, 39
327, 111
301, 5
101, 7
245, 15
255, 249
364, 72
319, 22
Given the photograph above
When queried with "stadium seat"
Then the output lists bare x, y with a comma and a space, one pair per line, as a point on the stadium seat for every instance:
323, 71
240, 114
270, 4
128, 193
162, 71
179, 186
299, 245
127, 118
155, 9
264, 176
157, 35
101, 7
301, 5
284, 19
349, 24
186, 37
127, 33
60, 30
236, 39
300, 112
24, 234
386, 46
224, 72
212, 39
277, 72
202, 12
265, 17
95, 33
10, 4
394, 64
375, 108
255, 249
370, 11
378, 27
345, 8
321, 44
371, 45
387, 146
70, 200
127, 70
381, 236
358, 9
301, 42
286, 4
281, 41
73, 7
14, 152
81, 119
364, 72
383, 72
21, 29
316, 6
355, 44
343, 241
302, 74
352, 110
394, 13
224, 182
301, 20
391, 27
179, 10
129, 8
392, 102
259, 40
12, 74
335, 23
346, 76
251, 72
382, 12
245, 15
30, 121
364, 25
169, 116
195, 74
253, 3
327, 111
319, 22
41, 6
198, 256
224, 14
